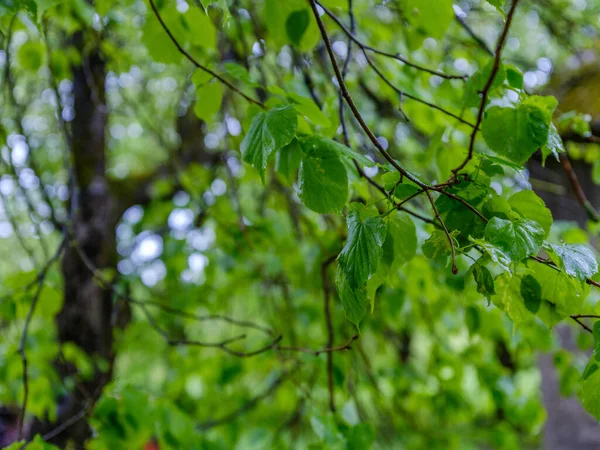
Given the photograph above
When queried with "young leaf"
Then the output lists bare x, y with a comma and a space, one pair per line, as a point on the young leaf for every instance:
498, 4
354, 299
576, 260
528, 125
508, 298
484, 280
317, 143
497, 254
296, 25
208, 103
268, 133
405, 190
562, 296
477, 82
529, 206
518, 239
437, 246
403, 231
362, 252
589, 387
531, 291
288, 159
433, 16
554, 146
323, 180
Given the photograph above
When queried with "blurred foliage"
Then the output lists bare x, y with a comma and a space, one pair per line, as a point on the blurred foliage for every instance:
442, 361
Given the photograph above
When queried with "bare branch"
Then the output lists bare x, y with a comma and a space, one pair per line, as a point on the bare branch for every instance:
474, 35
448, 236
582, 199
348, 98
488, 85
364, 47
196, 63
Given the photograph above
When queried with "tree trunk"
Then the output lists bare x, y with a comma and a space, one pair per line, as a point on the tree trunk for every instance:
86, 318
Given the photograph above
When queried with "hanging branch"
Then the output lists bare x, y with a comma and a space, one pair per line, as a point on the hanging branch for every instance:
582, 199
475, 37
339, 348
448, 235
329, 323
350, 101
364, 47
196, 63
488, 85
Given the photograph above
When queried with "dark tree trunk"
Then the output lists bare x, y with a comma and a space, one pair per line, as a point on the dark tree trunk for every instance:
86, 318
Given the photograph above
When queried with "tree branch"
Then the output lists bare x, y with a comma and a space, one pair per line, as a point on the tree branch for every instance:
196, 63
582, 199
488, 85
364, 47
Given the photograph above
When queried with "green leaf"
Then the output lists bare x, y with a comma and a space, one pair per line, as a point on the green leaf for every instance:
589, 389
354, 300
268, 133
562, 296
528, 125
240, 73
323, 180
529, 206
531, 291
554, 146
508, 298
362, 252
31, 55
296, 25
276, 15
208, 103
288, 160
402, 230
190, 28
360, 437
390, 179
517, 239
498, 4
405, 190
514, 77
321, 144
497, 254
433, 16
437, 246
575, 260
596, 334
476, 83
484, 280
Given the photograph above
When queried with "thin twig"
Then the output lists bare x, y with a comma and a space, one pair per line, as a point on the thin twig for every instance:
577, 189
151, 320
474, 35
583, 325
196, 63
448, 235
403, 94
339, 348
396, 56
348, 98
488, 85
